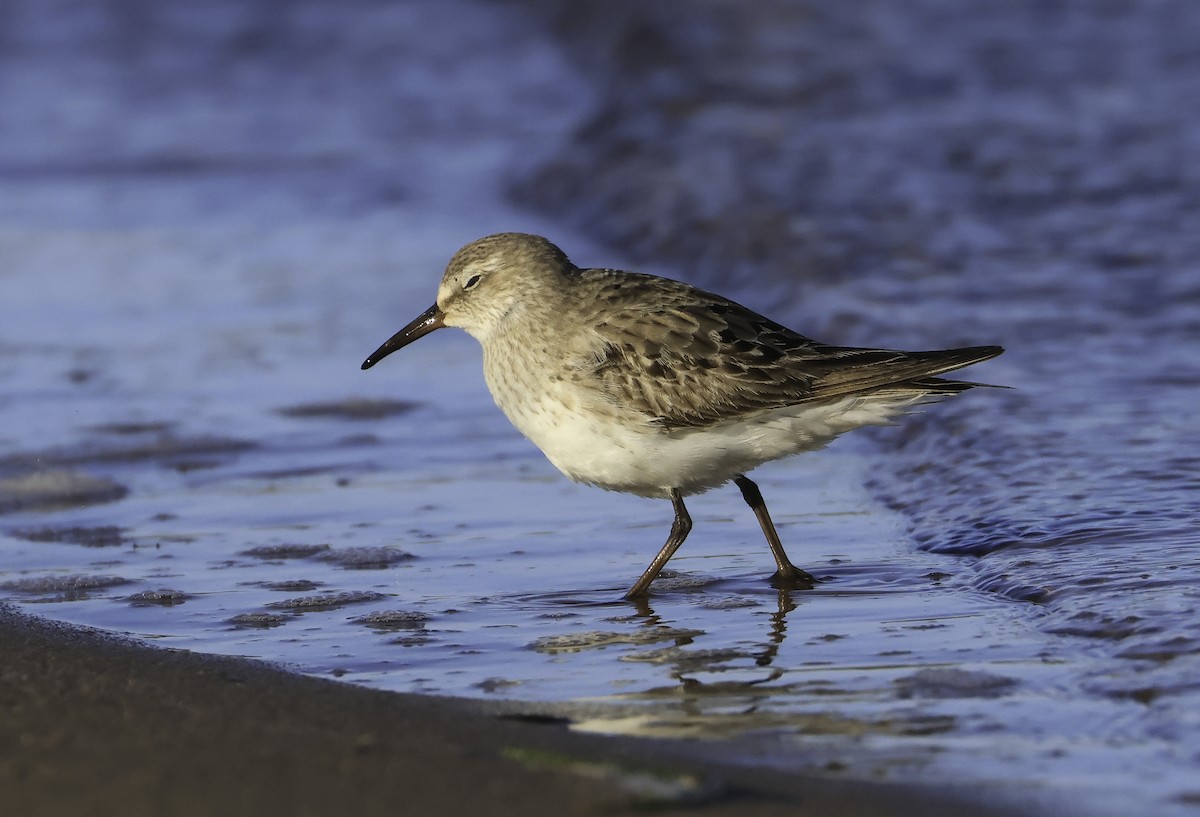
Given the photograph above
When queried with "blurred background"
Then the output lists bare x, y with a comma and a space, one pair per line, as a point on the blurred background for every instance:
210, 213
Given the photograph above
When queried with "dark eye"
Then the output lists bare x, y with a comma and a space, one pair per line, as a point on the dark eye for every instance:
472, 281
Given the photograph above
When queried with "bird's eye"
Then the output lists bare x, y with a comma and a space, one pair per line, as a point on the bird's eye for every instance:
472, 281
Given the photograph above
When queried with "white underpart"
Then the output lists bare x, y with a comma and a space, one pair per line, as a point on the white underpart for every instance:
601, 445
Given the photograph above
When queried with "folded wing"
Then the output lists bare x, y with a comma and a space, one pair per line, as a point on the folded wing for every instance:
688, 358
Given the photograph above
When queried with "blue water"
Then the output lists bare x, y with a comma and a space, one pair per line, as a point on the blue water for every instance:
204, 234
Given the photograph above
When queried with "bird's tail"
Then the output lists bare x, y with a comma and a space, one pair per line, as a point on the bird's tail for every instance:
912, 374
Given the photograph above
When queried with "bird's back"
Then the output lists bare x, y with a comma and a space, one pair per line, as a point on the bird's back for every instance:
690, 358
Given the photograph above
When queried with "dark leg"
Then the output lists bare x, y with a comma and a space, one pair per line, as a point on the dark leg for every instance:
680, 528
785, 572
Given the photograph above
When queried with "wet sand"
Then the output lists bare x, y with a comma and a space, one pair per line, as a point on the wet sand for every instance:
98, 725
940, 175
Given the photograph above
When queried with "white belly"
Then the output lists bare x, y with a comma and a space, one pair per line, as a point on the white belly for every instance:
597, 444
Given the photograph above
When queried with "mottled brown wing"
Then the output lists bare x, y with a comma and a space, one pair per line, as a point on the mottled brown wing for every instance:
687, 358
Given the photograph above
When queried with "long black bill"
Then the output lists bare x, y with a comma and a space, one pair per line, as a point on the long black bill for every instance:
425, 323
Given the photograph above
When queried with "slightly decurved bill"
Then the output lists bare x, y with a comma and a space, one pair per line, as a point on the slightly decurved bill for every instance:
425, 323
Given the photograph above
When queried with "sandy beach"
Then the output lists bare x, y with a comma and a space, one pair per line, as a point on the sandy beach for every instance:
99, 725
210, 213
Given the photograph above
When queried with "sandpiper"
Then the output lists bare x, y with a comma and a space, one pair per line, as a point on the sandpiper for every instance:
650, 386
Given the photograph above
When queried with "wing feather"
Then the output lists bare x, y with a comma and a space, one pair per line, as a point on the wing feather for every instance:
687, 358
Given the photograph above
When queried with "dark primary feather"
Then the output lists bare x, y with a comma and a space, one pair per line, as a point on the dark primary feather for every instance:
689, 358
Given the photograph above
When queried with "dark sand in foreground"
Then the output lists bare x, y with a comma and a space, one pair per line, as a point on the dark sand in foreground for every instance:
100, 725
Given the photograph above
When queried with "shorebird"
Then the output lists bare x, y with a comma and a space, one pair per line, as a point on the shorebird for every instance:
650, 386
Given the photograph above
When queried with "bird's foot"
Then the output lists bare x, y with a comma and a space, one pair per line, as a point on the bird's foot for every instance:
793, 578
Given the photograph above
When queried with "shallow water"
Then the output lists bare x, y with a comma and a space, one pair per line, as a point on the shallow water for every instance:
203, 240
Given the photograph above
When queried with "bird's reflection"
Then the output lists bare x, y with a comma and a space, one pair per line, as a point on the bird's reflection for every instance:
784, 605
643, 610
686, 663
